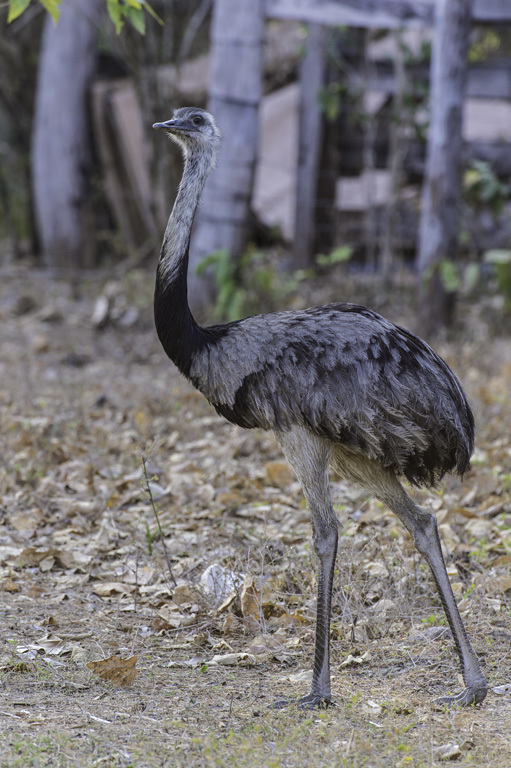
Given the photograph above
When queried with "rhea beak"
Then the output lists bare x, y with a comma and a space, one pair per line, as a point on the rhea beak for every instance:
168, 126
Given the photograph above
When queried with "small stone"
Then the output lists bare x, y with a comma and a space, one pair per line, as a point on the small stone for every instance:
40, 343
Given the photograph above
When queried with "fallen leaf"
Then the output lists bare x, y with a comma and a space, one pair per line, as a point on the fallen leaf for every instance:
501, 690
378, 570
231, 624
219, 582
250, 602
241, 659
30, 557
10, 586
52, 645
185, 594
279, 474
173, 617
110, 588
300, 677
351, 659
115, 669
447, 751
372, 708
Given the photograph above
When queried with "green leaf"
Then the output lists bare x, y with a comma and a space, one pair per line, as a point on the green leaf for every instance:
152, 12
449, 276
212, 259
116, 14
337, 256
53, 8
471, 277
16, 8
136, 17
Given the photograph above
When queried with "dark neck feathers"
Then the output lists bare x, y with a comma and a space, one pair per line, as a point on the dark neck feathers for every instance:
177, 330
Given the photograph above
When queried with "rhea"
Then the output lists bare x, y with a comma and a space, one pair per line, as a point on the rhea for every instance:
339, 386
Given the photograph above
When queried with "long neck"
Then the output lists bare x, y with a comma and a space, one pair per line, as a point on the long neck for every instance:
175, 325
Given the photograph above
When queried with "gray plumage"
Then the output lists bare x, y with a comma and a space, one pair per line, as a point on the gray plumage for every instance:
337, 384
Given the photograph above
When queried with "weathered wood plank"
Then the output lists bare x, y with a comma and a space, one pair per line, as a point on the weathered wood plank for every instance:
438, 231
60, 143
487, 81
383, 15
379, 14
234, 94
310, 122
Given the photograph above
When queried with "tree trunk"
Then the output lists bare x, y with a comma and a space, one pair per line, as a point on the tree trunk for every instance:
234, 96
438, 230
60, 142
309, 144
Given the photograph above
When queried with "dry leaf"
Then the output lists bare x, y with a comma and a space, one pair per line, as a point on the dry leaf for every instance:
241, 659
115, 669
219, 582
26, 521
376, 569
350, 659
10, 586
110, 588
174, 617
501, 690
279, 474
52, 645
231, 624
250, 602
229, 500
185, 594
31, 557
447, 751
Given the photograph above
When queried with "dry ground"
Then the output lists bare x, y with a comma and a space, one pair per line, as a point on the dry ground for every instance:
84, 575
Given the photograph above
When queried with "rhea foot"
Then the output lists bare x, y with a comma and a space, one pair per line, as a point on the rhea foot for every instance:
311, 701
473, 694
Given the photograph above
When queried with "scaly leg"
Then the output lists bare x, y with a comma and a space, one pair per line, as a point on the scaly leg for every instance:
309, 456
423, 528
424, 531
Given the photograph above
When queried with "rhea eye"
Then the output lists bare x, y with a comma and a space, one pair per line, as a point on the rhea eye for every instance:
198, 120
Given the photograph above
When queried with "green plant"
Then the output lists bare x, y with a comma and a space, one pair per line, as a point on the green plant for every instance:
337, 256
482, 188
247, 286
149, 536
118, 10
501, 261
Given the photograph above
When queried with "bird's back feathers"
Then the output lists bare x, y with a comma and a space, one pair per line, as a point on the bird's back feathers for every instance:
347, 374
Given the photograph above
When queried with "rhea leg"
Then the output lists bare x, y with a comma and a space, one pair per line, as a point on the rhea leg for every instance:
309, 456
424, 531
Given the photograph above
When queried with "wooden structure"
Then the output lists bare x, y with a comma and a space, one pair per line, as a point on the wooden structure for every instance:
439, 223
234, 96
380, 14
117, 123
60, 157
376, 14
236, 66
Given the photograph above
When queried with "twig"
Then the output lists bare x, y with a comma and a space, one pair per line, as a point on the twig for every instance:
155, 512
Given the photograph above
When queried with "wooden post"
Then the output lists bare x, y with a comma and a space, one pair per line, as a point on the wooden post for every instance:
309, 144
234, 95
60, 142
438, 230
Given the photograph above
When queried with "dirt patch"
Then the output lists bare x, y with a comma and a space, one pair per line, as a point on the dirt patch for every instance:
84, 569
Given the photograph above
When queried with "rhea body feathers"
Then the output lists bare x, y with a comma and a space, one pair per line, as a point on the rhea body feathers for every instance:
337, 384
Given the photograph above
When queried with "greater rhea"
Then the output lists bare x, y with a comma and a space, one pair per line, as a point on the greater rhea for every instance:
338, 385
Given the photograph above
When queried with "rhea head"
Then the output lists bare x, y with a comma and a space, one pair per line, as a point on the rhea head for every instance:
194, 130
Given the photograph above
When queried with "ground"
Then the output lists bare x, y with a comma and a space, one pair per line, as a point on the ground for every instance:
100, 558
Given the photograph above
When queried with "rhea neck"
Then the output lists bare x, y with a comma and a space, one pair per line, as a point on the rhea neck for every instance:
177, 329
